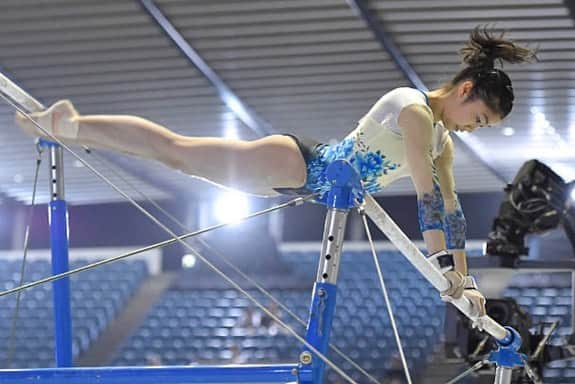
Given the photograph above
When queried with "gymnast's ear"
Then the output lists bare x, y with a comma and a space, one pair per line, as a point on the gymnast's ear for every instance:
464, 89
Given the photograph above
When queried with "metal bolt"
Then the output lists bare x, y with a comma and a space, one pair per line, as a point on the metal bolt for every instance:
321, 292
305, 357
294, 371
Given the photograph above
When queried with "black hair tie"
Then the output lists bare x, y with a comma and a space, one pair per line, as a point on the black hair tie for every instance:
489, 52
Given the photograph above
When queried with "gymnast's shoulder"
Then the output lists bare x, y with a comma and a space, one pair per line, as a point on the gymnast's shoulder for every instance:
396, 100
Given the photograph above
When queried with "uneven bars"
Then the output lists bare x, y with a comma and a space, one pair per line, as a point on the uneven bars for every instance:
9, 88
386, 224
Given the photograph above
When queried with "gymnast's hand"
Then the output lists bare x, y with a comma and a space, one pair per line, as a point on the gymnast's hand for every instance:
461, 287
477, 301
60, 120
456, 285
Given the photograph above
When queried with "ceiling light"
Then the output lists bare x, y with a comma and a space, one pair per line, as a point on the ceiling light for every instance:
231, 206
188, 261
540, 117
508, 131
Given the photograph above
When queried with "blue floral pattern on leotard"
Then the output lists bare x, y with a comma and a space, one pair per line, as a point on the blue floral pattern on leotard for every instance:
370, 164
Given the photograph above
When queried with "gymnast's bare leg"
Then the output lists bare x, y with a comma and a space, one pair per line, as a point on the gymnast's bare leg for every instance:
251, 166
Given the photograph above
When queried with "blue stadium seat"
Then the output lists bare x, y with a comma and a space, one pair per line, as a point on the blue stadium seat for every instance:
361, 325
92, 307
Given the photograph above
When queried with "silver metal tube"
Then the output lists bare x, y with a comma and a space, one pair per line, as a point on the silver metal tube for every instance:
56, 173
390, 229
333, 233
404, 244
503, 375
9, 88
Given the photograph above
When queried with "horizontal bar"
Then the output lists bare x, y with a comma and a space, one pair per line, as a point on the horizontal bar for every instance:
17, 94
382, 220
153, 375
385, 224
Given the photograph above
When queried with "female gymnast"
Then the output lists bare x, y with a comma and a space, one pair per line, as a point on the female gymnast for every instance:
406, 133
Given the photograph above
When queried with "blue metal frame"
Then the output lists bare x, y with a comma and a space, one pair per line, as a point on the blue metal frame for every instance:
153, 375
345, 193
507, 354
318, 331
59, 244
62, 313
346, 190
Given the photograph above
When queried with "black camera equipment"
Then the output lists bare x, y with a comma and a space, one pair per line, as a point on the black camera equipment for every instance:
536, 201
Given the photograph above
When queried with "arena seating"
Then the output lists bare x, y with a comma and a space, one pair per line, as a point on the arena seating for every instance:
97, 297
202, 326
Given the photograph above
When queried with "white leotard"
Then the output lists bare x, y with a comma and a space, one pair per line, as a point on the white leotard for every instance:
375, 148
379, 132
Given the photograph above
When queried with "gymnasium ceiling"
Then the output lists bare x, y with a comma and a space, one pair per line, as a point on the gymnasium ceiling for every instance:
308, 67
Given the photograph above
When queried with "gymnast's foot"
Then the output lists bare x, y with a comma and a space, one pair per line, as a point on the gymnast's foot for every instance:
59, 120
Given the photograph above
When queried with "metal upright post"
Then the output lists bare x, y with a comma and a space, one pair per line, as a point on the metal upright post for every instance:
339, 200
503, 375
58, 217
507, 356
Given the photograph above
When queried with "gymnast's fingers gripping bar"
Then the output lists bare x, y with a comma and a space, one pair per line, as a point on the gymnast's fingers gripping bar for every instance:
20, 96
384, 222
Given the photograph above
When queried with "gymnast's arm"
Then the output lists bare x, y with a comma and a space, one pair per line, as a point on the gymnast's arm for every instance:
416, 122
454, 224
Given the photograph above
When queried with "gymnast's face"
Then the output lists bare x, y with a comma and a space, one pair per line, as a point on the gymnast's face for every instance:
461, 115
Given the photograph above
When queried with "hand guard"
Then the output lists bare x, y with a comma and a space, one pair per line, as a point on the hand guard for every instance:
442, 260
477, 302
466, 288
456, 288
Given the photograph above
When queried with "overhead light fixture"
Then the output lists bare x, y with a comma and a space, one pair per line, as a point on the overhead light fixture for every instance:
188, 261
231, 206
540, 118
508, 131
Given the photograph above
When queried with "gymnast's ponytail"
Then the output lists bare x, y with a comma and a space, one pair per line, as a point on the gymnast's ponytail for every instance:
483, 49
480, 54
